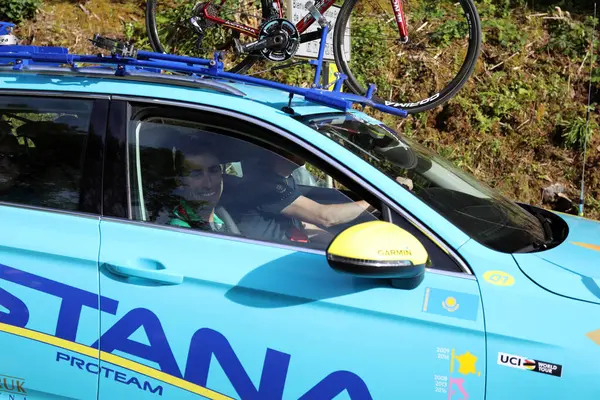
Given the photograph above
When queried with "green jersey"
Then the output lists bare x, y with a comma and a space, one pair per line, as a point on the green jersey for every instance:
185, 216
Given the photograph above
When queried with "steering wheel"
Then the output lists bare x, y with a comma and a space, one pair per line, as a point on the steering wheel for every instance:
227, 220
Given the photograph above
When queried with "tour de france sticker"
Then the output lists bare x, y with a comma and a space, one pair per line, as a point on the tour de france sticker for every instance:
529, 364
460, 372
499, 278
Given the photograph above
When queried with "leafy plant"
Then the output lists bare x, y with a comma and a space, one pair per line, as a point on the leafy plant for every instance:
450, 30
570, 37
575, 133
505, 33
18, 10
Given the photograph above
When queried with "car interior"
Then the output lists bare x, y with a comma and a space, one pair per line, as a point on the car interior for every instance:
154, 184
50, 163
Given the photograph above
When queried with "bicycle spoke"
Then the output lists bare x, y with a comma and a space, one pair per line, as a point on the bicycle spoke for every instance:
439, 47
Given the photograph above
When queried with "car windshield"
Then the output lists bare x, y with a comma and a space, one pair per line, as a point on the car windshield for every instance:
479, 211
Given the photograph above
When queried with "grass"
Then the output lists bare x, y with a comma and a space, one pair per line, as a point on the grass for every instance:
71, 24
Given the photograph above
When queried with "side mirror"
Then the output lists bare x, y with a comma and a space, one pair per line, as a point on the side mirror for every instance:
378, 249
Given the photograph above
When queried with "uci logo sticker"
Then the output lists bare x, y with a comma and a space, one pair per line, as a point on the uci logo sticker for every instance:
527, 364
499, 278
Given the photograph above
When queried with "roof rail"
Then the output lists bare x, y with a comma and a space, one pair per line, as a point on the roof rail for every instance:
127, 61
138, 75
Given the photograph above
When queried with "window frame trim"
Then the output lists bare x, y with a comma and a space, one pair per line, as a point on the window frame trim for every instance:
115, 171
289, 136
50, 93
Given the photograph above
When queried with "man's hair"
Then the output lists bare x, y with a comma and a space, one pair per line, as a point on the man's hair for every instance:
191, 147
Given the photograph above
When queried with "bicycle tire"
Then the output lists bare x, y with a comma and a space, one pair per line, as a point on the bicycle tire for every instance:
152, 31
419, 105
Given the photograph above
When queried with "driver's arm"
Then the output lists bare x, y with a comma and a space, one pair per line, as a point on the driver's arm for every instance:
325, 215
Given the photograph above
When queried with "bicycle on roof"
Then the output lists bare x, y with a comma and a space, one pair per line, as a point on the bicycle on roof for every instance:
425, 65
125, 61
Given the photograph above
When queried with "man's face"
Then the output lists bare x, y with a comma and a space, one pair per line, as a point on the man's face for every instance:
203, 179
9, 168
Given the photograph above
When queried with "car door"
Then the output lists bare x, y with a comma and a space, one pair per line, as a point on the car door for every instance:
50, 151
232, 315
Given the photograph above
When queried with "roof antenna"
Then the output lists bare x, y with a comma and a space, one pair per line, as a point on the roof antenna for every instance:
587, 123
289, 109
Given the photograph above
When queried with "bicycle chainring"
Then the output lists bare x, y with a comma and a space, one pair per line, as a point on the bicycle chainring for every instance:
286, 37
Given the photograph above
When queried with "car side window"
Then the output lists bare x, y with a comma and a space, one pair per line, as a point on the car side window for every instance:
42, 143
440, 260
198, 176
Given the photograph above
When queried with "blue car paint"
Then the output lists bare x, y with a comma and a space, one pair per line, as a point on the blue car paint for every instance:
292, 302
569, 269
329, 325
48, 245
525, 319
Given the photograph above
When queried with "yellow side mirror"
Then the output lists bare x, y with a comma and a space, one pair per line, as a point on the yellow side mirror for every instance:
378, 249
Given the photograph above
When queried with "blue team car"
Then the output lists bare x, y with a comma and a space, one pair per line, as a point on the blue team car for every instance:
204, 235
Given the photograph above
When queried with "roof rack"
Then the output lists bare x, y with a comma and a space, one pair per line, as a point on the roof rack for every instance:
128, 61
139, 75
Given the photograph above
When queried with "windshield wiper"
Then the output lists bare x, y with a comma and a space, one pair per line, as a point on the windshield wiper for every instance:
547, 227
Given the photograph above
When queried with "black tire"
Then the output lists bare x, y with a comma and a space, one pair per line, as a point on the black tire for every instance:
413, 106
152, 31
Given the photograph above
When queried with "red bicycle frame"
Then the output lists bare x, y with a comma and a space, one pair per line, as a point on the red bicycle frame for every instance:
304, 23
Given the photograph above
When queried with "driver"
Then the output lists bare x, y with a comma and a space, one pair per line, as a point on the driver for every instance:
273, 207
201, 187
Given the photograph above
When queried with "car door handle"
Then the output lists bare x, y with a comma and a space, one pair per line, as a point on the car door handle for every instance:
160, 276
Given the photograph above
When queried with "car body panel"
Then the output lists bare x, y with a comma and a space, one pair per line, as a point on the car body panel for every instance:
48, 301
526, 320
571, 269
315, 332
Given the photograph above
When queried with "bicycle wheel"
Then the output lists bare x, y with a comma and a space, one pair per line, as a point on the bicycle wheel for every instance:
170, 31
427, 71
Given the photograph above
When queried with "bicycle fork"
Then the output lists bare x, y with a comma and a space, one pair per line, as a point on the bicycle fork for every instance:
400, 20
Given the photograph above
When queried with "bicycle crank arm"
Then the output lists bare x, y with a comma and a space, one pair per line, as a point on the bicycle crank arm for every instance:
310, 36
265, 43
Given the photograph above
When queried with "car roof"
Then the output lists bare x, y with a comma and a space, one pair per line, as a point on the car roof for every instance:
167, 87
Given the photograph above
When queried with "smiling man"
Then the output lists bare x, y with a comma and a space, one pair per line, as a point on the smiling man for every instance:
202, 186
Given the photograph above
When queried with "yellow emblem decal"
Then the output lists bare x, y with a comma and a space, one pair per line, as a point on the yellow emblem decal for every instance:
450, 304
466, 363
594, 336
499, 278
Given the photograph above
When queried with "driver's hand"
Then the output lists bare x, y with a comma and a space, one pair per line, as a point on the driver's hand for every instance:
406, 182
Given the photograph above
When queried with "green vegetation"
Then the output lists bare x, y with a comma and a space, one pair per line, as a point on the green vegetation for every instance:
520, 122
18, 10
